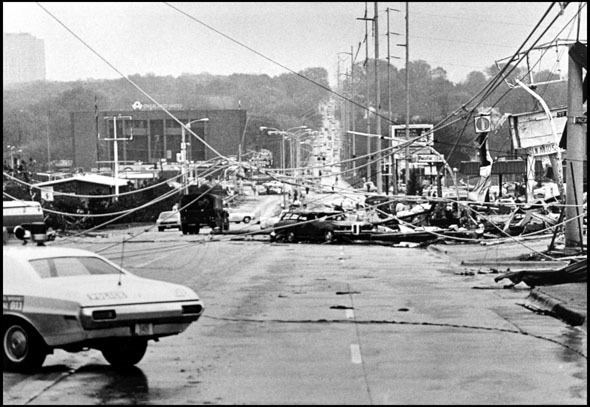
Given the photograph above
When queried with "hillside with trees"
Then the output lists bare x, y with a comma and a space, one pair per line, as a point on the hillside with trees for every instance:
433, 97
34, 110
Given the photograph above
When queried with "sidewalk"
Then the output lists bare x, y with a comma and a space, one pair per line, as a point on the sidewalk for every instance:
568, 302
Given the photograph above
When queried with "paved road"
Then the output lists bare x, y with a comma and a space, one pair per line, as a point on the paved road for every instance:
324, 324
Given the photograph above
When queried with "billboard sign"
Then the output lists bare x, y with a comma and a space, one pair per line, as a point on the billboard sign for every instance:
530, 130
415, 130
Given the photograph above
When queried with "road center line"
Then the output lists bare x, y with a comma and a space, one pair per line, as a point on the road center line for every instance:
355, 353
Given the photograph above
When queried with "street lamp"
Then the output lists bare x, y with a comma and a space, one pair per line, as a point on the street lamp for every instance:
292, 134
183, 145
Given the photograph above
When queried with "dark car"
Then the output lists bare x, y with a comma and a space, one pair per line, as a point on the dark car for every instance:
202, 209
305, 225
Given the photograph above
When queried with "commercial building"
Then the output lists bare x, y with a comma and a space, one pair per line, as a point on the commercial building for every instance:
156, 136
23, 58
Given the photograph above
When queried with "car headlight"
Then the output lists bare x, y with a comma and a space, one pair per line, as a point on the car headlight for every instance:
273, 233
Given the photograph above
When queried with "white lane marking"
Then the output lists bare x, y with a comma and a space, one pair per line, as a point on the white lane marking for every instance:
151, 261
355, 353
349, 313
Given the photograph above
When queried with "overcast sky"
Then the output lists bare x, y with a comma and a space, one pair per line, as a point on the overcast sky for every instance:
152, 37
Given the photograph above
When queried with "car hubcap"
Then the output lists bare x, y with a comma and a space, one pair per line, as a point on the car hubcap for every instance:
16, 344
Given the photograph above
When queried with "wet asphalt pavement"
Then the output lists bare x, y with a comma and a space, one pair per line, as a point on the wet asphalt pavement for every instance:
324, 324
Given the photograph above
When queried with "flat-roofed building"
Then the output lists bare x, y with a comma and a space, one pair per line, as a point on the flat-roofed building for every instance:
156, 135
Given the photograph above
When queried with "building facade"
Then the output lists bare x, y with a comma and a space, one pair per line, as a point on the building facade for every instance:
156, 136
23, 58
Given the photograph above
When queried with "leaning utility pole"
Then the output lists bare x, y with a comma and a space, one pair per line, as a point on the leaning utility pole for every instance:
576, 148
378, 105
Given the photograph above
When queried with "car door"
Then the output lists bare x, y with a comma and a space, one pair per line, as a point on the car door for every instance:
308, 226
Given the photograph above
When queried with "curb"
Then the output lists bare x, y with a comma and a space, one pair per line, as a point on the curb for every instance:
558, 309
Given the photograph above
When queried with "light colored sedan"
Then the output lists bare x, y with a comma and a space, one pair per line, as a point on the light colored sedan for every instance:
71, 299
168, 220
238, 216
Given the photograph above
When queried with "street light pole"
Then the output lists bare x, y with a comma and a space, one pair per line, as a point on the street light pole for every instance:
183, 144
284, 134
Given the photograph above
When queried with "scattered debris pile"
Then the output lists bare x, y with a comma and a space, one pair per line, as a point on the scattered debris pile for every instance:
575, 272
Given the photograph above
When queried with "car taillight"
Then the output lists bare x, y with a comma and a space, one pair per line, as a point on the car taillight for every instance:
192, 309
104, 314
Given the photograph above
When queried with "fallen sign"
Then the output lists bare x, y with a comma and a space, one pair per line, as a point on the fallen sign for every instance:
576, 272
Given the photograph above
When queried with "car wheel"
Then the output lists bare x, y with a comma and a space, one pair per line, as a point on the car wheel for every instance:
160, 229
22, 348
184, 229
291, 237
329, 236
247, 219
196, 229
125, 352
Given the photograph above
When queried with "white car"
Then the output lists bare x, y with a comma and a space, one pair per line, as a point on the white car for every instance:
168, 220
238, 216
71, 299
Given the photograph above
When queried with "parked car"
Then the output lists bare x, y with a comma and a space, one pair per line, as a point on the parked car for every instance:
17, 212
274, 187
269, 221
238, 216
168, 220
305, 225
72, 299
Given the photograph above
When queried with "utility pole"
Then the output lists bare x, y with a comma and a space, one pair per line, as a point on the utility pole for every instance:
347, 119
116, 148
576, 148
407, 152
48, 143
353, 154
378, 170
393, 169
368, 89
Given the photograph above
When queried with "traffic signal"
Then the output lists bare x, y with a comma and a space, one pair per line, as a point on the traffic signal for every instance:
483, 123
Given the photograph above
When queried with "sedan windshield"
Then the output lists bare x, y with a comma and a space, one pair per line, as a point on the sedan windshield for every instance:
72, 266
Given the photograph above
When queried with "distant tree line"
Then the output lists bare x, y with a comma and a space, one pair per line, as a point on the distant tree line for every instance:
34, 110
433, 97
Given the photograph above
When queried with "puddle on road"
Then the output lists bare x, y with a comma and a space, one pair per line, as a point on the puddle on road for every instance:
121, 386
573, 338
